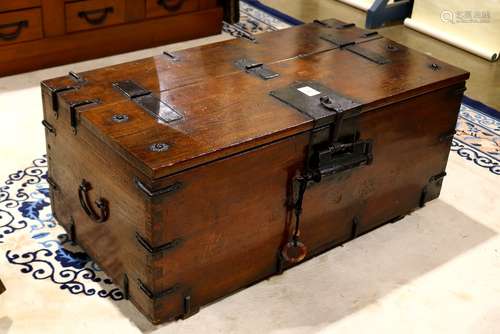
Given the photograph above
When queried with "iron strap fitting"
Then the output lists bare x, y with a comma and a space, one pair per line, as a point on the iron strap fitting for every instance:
354, 46
145, 99
54, 92
335, 145
255, 68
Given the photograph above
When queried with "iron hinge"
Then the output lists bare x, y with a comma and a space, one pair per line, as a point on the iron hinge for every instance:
158, 249
75, 76
255, 68
171, 56
147, 101
158, 295
153, 193
339, 26
322, 23
353, 45
317, 101
345, 25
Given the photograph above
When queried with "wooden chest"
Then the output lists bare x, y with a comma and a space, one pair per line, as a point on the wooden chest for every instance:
193, 174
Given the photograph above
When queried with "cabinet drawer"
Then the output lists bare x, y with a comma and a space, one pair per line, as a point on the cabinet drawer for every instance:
156, 8
20, 26
18, 4
85, 15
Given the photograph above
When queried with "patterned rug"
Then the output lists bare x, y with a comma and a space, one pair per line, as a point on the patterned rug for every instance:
33, 245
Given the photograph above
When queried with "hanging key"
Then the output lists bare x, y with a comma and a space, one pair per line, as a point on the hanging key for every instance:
294, 250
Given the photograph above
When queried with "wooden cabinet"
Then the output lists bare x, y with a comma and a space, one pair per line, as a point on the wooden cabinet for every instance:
41, 33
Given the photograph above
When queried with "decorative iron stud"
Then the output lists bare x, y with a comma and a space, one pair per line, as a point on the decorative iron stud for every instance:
159, 147
119, 118
435, 67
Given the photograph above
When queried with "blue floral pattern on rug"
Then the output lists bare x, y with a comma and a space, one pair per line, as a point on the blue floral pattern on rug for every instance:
478, 139
49, 254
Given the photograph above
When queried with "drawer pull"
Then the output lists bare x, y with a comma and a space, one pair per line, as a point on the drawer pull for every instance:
101, 203
13, 35
171, 6
96, 20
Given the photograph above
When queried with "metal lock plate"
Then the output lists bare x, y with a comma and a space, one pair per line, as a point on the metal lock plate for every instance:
316, 100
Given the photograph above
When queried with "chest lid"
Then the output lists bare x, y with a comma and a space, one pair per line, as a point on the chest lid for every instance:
179, 110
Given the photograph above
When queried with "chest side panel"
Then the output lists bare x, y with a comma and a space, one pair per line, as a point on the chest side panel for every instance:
94, 197
231, 216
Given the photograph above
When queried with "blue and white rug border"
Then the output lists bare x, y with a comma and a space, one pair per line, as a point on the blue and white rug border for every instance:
273, 12
479, 106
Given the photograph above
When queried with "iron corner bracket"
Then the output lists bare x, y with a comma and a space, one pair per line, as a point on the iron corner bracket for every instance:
55, 91
154, 193
154, 296
158, 249
432, 189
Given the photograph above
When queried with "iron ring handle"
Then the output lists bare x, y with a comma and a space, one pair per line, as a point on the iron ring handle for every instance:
294, 251
97, 20
101, 203
171, 7
12, 36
